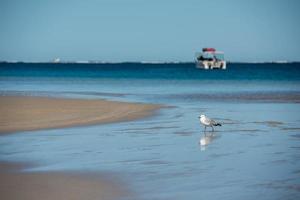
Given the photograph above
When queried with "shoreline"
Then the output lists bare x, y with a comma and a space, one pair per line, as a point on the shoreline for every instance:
15, 184
27, 113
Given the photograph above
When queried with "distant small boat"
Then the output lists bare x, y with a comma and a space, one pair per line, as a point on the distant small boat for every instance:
209, 58
56, 60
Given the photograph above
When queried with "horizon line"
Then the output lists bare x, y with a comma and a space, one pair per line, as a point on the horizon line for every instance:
141, 62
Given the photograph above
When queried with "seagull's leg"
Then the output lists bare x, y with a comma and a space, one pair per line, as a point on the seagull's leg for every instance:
213, 128
205, 130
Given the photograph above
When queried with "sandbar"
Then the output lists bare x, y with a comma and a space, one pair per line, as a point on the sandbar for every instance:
26, 113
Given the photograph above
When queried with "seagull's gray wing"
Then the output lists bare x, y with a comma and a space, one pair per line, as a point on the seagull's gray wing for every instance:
208, 121
212, 122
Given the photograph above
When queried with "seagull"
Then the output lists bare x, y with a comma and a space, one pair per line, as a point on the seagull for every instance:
208, 122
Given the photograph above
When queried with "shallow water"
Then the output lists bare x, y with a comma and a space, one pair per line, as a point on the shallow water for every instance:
255, 154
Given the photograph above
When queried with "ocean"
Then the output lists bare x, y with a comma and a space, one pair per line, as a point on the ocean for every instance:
254, 154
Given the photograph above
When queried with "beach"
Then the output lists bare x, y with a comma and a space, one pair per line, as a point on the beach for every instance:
15, 185
23, 113
131, 131
102, 100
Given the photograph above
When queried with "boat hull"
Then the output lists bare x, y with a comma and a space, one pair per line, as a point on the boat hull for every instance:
211, 64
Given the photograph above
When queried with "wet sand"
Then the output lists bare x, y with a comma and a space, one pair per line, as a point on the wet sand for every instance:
23, 113
16, 185
20, 113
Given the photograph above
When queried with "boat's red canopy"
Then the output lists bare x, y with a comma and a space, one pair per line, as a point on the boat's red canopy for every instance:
208, 49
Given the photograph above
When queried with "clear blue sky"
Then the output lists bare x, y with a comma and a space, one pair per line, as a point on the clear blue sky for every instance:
148, 30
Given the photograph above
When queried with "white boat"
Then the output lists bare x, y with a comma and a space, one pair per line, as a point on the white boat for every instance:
209, 58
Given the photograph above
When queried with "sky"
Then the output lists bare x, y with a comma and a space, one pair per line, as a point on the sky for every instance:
148, 30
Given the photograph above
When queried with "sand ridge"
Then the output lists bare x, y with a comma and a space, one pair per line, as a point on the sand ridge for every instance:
25, 113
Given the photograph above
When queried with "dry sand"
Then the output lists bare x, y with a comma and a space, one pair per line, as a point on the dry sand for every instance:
20, 113
57, 185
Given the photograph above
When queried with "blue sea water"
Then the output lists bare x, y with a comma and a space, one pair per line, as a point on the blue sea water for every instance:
255, 154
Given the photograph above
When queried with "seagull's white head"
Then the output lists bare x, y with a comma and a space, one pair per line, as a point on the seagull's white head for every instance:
201, 116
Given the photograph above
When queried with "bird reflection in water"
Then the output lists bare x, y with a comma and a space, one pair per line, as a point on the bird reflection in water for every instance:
207, 138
